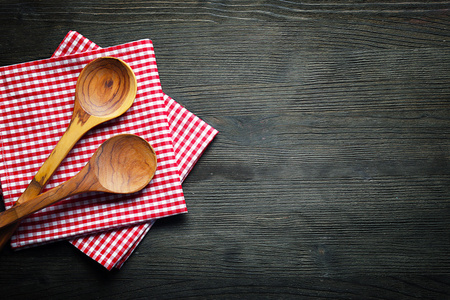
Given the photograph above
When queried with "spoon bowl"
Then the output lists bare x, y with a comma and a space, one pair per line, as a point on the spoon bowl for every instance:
106, 88
123, 164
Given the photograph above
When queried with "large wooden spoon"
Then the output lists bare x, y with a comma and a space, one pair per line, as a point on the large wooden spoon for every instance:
123, 164
105, 89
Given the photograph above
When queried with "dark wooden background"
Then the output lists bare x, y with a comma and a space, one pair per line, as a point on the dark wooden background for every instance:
330, 177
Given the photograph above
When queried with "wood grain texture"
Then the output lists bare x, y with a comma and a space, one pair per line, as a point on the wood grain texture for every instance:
105, 88
330, 175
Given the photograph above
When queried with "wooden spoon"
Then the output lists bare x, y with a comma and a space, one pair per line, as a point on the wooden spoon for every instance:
105, 89
123, 164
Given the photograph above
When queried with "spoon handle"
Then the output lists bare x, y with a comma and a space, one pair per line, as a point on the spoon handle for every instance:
77, 184
81, 123
73, 133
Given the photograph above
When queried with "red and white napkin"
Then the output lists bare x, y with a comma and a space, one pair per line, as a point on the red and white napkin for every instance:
190, 136
36, 102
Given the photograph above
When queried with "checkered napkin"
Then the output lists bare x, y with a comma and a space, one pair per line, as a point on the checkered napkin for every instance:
35, 108
190, 137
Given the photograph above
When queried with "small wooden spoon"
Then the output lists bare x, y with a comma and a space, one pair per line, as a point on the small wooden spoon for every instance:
123, 164
105, 89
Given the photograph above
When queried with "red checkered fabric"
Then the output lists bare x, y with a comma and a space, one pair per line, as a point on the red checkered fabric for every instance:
188, 134
74, 42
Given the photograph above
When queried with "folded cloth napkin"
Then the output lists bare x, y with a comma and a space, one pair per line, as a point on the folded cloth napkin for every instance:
190, 136
36, 102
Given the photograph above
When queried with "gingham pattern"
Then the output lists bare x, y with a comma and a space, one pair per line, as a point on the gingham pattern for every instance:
73, 43
35, 109
190, 136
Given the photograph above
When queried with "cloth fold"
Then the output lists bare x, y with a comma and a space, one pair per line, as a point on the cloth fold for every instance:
35, 107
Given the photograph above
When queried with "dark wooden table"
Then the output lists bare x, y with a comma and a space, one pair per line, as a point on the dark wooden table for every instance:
330, 177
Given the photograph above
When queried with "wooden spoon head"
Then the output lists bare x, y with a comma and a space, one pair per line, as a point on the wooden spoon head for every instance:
106, 88
124, 163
